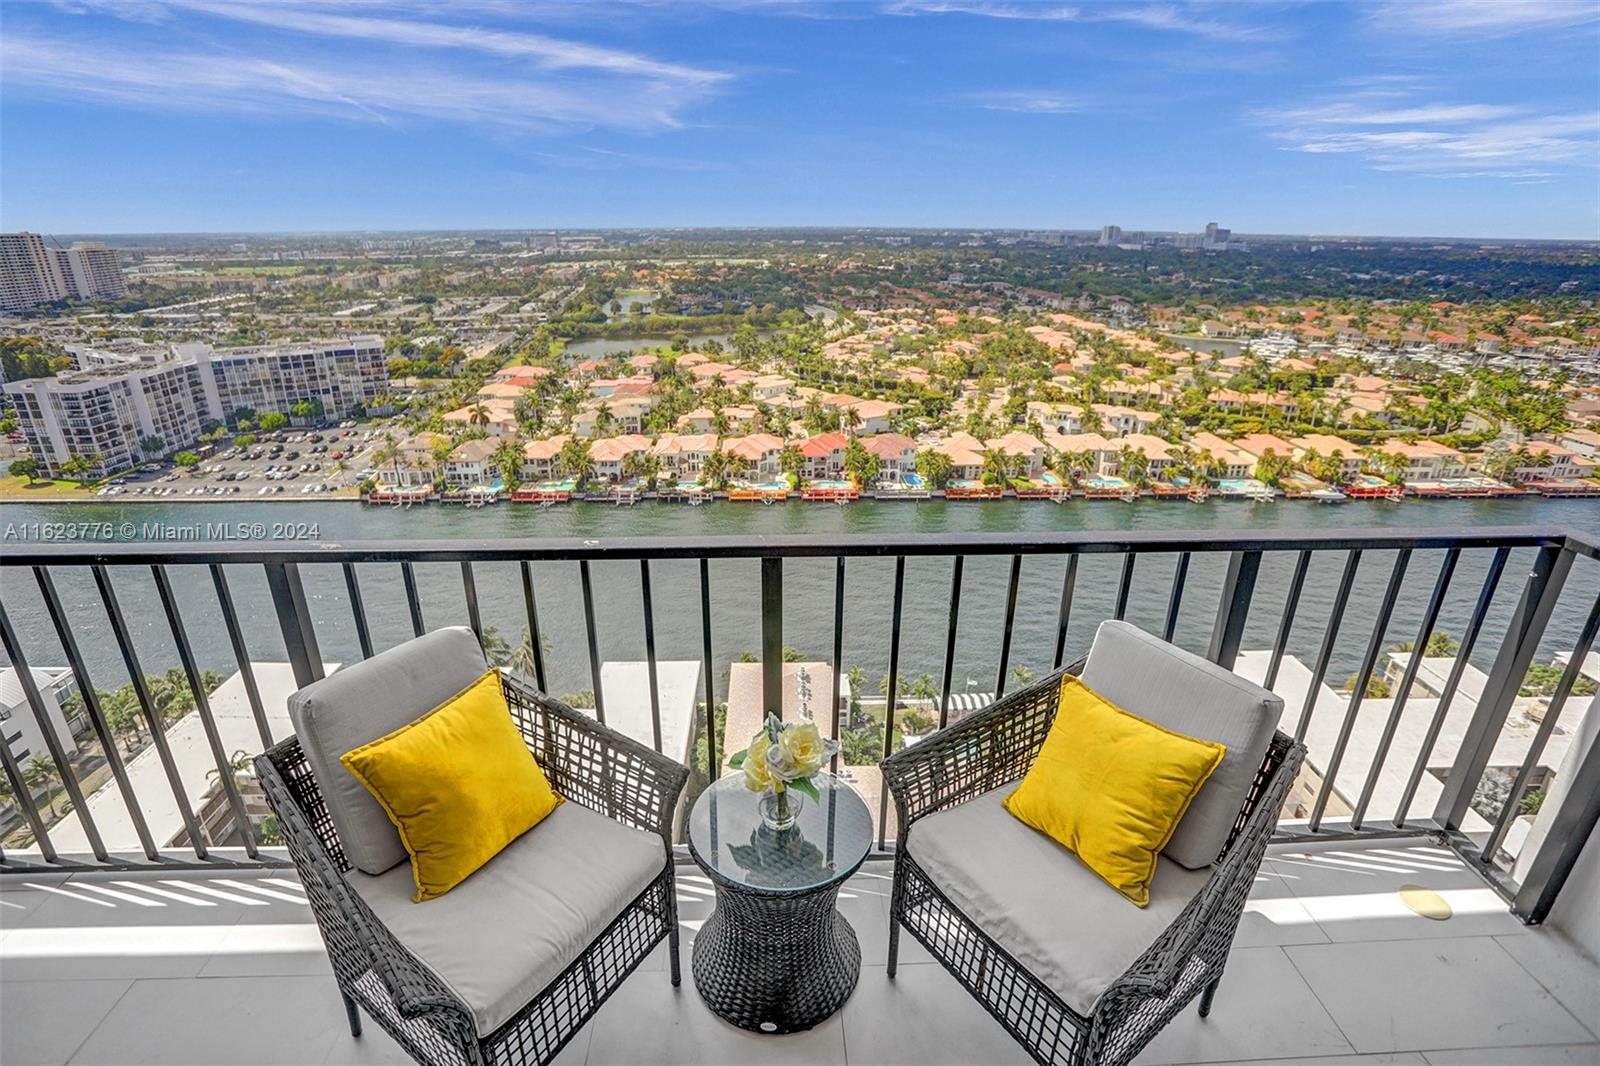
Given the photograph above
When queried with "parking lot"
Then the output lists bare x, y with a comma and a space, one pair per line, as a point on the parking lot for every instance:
300, 463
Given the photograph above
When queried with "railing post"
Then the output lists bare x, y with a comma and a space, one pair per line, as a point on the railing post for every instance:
1238, 586
772, 635
1539, 595
1571, 827
294, 619
47, 731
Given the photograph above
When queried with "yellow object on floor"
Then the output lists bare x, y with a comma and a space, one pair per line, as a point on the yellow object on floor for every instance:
1426, 902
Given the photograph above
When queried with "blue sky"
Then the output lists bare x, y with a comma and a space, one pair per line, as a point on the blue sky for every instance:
1461, 118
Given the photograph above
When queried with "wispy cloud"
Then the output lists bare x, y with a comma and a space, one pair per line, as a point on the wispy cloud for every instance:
1026, 101
1440, 139
549, 53
1176, 18
1481, 18
364, 90
295, 56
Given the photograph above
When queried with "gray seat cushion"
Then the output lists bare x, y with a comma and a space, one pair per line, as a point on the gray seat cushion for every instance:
1039, 902
1164, 684
363, 702
499, 937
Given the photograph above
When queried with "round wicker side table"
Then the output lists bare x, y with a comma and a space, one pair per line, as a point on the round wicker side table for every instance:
776, 956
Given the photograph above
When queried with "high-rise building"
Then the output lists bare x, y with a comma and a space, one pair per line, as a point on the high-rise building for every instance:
30, 273
118, 399
1110, 235
1216, 237
91, 270
108, 416
33, 273
339, 375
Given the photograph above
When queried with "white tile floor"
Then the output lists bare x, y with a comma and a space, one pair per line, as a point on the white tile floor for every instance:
1328, 968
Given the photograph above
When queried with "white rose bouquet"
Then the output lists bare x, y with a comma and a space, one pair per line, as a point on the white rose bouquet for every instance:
784, 756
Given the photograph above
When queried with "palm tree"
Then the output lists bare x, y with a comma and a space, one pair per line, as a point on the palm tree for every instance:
996, 466
40, 772
522, 660
574, 460
241, 769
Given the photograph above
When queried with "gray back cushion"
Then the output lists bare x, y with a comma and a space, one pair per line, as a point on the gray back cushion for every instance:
1164, 684
363, 702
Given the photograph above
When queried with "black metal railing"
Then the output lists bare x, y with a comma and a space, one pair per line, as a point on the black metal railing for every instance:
1504, 621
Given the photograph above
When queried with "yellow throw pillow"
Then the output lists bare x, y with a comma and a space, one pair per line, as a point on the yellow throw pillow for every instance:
1111, 787
459, 784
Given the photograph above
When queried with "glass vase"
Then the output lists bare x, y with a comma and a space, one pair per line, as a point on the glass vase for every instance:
780, 809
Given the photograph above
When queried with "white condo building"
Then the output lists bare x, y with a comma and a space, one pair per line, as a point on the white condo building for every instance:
91, 269
117, 399
32, 272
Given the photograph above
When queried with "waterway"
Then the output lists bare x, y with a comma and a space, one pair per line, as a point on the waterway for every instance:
808, 583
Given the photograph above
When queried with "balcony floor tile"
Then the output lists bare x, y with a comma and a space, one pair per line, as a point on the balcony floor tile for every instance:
1403, 995
922, 1017
649, 1021
1551, 1055
205, 1021
1564, 972
1260, 983
56, 1023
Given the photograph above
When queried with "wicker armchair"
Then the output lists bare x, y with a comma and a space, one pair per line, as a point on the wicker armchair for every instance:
1182, 960
586, 763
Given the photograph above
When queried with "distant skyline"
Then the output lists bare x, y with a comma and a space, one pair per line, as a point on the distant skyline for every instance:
1464, 118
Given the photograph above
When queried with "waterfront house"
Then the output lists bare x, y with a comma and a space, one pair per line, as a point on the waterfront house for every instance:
1234, 462
760, 452
965, 453
1018, 443
1100, 450
1157, 453
1330, 446
1426, 460
541, 459
607, 455
1551, 462
472, 464
896, 454
413, 462
1260, 445
824, 455
684, 454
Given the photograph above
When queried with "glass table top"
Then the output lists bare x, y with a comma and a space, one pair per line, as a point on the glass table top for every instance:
828, 841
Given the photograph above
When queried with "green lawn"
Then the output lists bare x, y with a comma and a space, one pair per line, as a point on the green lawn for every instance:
18, 488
